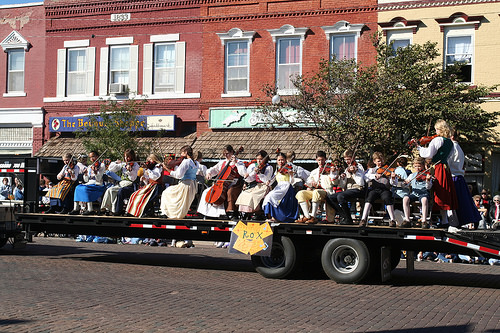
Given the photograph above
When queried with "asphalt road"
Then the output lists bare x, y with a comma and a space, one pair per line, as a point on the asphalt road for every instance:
59, 285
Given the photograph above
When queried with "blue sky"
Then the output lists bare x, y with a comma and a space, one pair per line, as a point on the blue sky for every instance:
9, 2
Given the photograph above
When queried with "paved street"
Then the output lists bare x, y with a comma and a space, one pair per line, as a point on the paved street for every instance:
59, 285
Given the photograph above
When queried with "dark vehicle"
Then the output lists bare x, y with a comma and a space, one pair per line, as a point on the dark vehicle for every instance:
348, 254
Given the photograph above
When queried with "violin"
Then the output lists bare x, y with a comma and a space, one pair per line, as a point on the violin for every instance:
261, 167
385, 171
422, 177
217, 193
285, 169
174, 162
425, 140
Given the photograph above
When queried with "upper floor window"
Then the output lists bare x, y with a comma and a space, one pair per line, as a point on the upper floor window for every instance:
288, 56
399, 32
15, 46
118, 66
77, 64
164, 65
459, 30
460, 49
15, 71
75, 69
343, 38
236, 61
164, 80
289, 62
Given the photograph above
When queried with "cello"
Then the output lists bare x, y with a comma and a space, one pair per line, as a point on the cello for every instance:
216, 195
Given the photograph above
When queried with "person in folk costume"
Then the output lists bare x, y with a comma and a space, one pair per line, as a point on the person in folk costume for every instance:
93, 187
420, 183
353, 184
255, 189
380, 188
112, 200
445, 196
82, 166
300, 174
466, 211
280, 203
60, 194
142, 201
238, 170
319, 185
177, 199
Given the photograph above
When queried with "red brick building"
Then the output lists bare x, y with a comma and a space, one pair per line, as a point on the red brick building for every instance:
204, 62
21, 78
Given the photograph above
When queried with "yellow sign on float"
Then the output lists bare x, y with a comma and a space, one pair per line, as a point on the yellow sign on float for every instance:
252, 238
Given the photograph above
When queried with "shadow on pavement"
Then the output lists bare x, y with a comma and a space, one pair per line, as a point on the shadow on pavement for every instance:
8, 322
126, 254
438, 329
430, 277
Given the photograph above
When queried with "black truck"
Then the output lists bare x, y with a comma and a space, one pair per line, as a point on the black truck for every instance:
347, 254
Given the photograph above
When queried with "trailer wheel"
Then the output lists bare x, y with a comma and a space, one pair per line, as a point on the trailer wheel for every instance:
3, 241
345, 260
281, 263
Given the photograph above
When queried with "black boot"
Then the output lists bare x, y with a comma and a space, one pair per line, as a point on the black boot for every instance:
345, 213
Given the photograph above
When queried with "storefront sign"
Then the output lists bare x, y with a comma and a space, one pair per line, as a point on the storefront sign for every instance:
250, 118
142, 123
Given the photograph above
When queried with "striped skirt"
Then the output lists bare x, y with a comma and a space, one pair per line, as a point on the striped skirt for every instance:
60, 190
139, 199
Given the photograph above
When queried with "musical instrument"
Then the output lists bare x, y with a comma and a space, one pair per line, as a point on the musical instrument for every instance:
173, 162
96, 165
386, 170
425, 140
422, 177
216, 195
261, 166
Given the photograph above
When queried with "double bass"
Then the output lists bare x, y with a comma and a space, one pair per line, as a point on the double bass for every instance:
216, 195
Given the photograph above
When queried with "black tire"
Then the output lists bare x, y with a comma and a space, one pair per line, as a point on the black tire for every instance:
282, 262
3, 241
345, 260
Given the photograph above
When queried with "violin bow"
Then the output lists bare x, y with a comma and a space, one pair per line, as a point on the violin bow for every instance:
422, 172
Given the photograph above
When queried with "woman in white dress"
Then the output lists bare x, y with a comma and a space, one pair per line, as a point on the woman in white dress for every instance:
256, 178
177, 199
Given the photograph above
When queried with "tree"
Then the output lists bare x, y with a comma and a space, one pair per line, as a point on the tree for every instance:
380, 107
114, 127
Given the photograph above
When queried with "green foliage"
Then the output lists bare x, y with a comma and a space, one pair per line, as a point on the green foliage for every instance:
114, 134
381, 107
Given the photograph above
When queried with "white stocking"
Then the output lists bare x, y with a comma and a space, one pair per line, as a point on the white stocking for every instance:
366, 210
305, 208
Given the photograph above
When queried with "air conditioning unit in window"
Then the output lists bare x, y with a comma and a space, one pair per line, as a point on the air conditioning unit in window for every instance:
118, 88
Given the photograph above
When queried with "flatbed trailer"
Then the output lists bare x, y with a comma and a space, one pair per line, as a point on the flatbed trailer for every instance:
348, 254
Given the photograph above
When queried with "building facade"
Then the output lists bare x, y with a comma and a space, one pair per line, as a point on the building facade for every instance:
465, 32
22, 71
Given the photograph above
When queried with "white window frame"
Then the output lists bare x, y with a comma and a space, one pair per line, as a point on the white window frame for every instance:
343, 29
399, 32
10, 71
105, 67
460, 28
69, 74
287, 32
236, 35
148, 73
13, 43
62, 71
